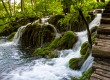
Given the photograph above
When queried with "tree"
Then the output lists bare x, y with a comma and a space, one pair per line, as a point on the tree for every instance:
14, 7
22, 5
5, 7
9, 3
79, 5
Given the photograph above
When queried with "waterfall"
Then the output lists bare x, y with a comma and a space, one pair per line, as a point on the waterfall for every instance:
20, 31
19, 34
88, 63
50, 69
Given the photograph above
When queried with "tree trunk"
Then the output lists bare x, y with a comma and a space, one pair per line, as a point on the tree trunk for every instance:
87, 26
32, 3
5, 7
22, 5
102, 1
97, 0
14, 7
9, 3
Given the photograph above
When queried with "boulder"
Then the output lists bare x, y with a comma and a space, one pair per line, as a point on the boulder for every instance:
37, 35
66, 41
74, 63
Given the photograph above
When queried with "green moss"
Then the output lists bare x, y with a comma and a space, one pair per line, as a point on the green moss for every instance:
10, 37
37, 35
85, 76
84, 48
46, 51
65, 42
94, 37
74, 63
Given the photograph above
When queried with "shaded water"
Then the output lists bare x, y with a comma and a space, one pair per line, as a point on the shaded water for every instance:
14, 67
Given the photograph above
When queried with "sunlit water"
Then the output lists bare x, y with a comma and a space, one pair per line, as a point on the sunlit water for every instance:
14, 67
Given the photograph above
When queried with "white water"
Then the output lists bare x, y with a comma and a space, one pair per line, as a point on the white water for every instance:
57, 68
19, 33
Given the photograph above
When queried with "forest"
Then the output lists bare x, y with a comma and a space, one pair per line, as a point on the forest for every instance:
48, 39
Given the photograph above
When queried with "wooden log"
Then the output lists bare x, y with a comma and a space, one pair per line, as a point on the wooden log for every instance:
99, 77
94, 78
105, 21
100, 66
101, 52
106, 15
102, 36
106, 11
103, 73
103, 29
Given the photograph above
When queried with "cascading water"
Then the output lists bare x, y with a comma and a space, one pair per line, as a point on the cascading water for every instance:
19, 34
13, 67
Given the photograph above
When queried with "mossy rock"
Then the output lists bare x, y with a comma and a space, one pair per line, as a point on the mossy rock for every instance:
48, 51
75, 63
84, 48
94, 36
86, 75
66, 41
37, 35
10, 37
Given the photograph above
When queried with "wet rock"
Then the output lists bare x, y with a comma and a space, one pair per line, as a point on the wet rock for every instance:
37, 35
64, 42
74, 63
85, 49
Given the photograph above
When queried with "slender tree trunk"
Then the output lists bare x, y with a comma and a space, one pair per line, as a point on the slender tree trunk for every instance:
9, 3
87, 26
14, 7
22, 5
97, 0
5, 7
32, 3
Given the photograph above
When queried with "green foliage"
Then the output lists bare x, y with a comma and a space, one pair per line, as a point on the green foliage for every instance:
94, 37
48, 7
87, 75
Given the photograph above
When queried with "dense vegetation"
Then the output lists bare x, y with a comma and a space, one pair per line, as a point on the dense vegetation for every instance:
67, 16
10, 11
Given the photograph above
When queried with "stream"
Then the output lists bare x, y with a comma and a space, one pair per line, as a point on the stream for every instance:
13, 66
